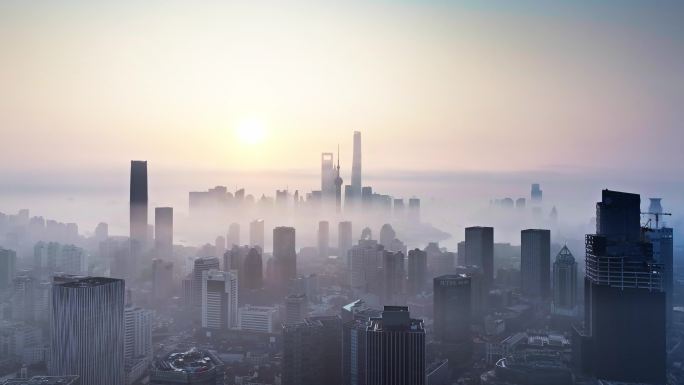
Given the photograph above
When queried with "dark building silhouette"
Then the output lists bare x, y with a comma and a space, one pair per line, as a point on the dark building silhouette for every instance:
312, 352
564, 284
284, 255
327, 177
536, 193
253, 270
393, 275
356, 167
395, 348
535, 263
661, 238
452, 308
623, 338
417, 271
163, 232
338, 184
479, 250
138, 208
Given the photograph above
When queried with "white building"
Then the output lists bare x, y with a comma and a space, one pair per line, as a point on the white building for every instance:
219, 299
138, 333
257, 318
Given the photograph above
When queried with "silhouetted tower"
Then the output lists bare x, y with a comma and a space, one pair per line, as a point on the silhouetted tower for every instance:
338, 184
356, 167
284, 255
535, 263
163, 232
451, 302
327, 177
479, 250
138, 208
344, 238
564, 284
417, 271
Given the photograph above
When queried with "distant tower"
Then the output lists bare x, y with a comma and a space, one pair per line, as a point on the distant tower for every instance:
479, 250
323, 239
284, 255
138, 208
417, 271
233, 238
327, 177
201, 265
256, 233
87, 329
344, 239
536, 193
535, 263
312, 351
253, 270
451, 302
387, 364
338, 184
296, 308
393, 275
565, 284
356, 166
163, 232
661, 238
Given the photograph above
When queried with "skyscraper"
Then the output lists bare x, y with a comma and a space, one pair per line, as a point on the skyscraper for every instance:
323, 239
312, 351
163, 232
355, 318
219, 299
233, 238
87, 329
138, 208
256, 233
327, 177
417, 271
661, 238
201, 265
253, 270
284, 255
344, 239
536, 193
162, 279
364, 260
393, 275
356, 167
452, 308
535, 263
137, 332
479, 250
395, 348
296, 308
8, 262
564, 284
338, 185
623, 338
414, 210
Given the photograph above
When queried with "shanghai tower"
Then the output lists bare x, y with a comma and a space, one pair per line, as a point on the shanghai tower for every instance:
138, 208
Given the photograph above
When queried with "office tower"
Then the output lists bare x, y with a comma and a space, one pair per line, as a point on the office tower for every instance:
367, 197
162, 279
233, 238
257, 318
71, 260
220, 246
387, 235
323, 239
452, 306
163, 232
200, 265
137, 332
87, 329
8, 262
398, 209
417, 271
138, 208
395, 348
536, 193
414, 210
460, 254
661, 237
253, 270
393, 275
284, 254
623, 338
355, 317
344, 239
535, 263
191, 367
564, 284
219, 299
327, 177
312, 352
356, 166
101, 231
338, 185
479, 250
364, 260
256, 233
296, 308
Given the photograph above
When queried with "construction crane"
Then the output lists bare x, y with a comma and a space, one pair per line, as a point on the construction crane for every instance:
657, 218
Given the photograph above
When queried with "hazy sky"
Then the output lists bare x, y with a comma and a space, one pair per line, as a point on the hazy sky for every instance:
433, 85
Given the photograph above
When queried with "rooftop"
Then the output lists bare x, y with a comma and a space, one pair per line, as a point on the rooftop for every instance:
42, 380
191, 361
81, 282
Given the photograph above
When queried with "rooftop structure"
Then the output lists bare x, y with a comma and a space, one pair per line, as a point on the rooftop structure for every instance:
190, 367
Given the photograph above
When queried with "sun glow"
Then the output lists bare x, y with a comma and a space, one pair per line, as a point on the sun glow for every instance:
251, 131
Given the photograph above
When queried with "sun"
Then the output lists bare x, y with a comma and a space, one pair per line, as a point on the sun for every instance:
251, 131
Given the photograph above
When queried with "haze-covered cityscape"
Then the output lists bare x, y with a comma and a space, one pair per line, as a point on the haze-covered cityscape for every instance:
308, 193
